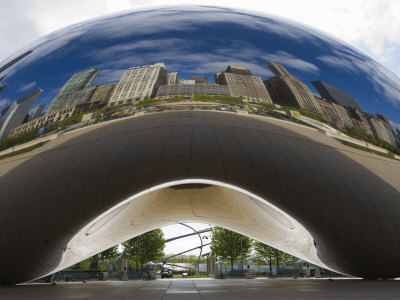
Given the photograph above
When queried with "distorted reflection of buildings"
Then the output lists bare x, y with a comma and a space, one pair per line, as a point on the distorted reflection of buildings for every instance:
102, 95
17, 112
288, 90
153, 81
242, 84
335, 95
139, 83
387, 122
76, 91
172, 78
188, 90
15, 60
4, 86
359, 121
380, 129
36, 112
199, 79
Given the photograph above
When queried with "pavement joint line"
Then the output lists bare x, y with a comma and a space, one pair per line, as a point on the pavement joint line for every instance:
165, 292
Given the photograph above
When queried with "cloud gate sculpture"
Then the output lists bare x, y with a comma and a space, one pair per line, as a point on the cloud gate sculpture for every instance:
122, 124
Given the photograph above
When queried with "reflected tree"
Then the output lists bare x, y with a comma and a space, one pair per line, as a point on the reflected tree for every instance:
271, 254
229, 245
108, 254
146, 247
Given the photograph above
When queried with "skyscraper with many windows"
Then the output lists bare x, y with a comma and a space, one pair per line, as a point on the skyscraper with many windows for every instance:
77, 90
335, 95
243, 85
139, 83
288, 90
17, 112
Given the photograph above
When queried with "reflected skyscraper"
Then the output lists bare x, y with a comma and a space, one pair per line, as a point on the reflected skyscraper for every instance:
4, 86
242, 84
15, 60
288, 90
139, 83
75, 91
335, 95
36, 112
172, 78
199, 79
17, 112
380, 129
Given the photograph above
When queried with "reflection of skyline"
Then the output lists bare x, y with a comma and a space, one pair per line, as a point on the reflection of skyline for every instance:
204, 48
153, 81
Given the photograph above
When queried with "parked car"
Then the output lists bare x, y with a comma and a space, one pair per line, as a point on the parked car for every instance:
166, 274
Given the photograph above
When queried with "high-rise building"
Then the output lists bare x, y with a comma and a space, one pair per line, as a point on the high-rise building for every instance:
199, 79
186, 81
76, 91
172, 78
4, 86
17, 112
102, 94
243, 85
329, 111
3, 113
344, 118
139, 83
358, 119
335, 95
188, 90
288, 90
36, 112
380, 129
15, 60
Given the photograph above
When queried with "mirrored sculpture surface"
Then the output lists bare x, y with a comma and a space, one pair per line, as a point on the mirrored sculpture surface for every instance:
290, 131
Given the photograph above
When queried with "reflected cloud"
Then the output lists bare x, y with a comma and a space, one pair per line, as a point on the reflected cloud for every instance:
27, 86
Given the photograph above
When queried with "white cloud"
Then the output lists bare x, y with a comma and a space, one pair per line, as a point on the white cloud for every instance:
384, 81
373, 26
4, 102
27, 86
395, 125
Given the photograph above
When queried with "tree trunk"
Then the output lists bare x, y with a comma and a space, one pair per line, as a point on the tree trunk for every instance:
231, 265
270, 265
277, 266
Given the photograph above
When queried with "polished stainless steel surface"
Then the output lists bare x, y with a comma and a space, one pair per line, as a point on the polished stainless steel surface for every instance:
110, 114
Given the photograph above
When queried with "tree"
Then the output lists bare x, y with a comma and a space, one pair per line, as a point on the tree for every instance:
102, 256
270, 253
146, 247
229, 245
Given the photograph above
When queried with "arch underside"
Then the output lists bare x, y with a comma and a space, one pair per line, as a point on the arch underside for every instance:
264, 174
207, 202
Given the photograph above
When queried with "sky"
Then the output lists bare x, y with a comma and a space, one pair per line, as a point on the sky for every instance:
373, 26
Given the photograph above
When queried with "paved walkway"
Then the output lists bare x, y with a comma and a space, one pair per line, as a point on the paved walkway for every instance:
231, 289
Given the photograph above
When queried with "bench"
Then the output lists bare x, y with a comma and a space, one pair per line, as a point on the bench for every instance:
77, 276
288, 272
238, 273
131, 275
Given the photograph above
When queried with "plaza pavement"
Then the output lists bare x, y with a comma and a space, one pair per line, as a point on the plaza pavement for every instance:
188, 289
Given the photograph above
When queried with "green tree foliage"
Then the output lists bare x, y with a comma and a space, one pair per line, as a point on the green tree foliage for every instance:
229, 245
146, 247
108, 254
19, 139
357, 133
271, 254
220, 99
